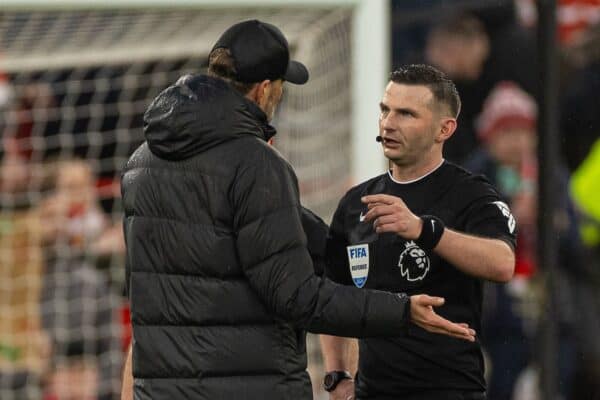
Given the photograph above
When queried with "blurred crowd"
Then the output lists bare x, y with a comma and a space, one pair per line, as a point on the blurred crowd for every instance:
59, 322
63, 316
60, 316
490, 52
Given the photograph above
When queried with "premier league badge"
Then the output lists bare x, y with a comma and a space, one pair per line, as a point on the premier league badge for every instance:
413, 262
358, 259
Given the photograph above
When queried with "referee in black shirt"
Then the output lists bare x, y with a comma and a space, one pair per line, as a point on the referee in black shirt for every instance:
425, 226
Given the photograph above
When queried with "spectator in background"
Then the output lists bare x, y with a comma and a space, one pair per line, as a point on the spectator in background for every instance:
24, 347
574, 17
578, 33
476, 56
585, 186
507, 128
29, 118
78, 306
580, 84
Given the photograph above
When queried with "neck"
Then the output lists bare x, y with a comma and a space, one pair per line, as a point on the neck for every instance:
407, 173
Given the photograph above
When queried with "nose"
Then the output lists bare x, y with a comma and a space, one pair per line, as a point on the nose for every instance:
386, 123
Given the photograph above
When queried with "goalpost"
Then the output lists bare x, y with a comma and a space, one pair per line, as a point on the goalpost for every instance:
75, 79
326, 128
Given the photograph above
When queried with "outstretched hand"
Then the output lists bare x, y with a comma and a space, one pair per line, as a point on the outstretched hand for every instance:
423, 315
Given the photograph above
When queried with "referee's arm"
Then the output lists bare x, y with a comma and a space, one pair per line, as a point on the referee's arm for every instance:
491, 259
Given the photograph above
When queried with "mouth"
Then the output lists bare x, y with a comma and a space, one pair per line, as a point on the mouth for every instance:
388, 142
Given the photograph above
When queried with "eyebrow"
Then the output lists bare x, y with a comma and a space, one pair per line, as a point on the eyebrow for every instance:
401, 109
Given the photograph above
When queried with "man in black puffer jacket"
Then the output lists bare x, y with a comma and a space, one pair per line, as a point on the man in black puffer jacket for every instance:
221, 283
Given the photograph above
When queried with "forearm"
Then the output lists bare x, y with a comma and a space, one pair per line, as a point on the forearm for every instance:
127, 388
490, 259
321, 306
340, 353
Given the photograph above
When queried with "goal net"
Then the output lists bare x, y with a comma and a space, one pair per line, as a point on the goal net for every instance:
74, 84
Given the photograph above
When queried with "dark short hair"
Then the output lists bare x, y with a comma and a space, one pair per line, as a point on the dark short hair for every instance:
221, 65
443, 89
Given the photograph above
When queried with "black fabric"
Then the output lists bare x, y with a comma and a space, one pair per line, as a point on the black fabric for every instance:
419, 359
434, 395
260, 51
316, 231
220, 281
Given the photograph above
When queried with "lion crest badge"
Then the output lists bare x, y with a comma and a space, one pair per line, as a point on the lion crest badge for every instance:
413, 262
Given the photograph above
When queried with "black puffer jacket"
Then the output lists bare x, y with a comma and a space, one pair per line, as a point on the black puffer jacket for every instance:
221, 284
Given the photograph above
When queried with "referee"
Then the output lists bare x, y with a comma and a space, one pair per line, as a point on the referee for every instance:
428, 226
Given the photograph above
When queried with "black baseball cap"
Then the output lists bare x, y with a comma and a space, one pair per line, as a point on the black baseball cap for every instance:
260, 51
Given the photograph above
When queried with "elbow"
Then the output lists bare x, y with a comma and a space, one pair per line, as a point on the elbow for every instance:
505, 268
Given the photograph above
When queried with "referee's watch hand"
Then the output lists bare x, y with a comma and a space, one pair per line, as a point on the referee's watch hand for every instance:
390, 214
343, 391
423, 315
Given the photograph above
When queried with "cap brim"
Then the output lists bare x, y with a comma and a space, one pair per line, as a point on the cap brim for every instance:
296, 73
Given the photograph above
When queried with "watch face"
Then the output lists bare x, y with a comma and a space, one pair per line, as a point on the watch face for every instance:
332, 379
328, 381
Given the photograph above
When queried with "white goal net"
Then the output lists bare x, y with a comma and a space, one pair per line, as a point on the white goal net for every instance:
74, 84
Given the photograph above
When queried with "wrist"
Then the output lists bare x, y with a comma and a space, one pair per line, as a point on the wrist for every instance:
419, 230
333, 378
432, 229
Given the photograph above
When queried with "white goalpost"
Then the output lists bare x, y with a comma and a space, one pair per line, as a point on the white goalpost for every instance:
344, 42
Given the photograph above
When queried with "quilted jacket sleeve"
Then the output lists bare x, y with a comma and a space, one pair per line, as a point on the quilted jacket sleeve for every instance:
271, 245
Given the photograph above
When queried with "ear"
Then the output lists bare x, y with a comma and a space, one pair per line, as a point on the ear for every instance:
263, 89
257, 93
447, 129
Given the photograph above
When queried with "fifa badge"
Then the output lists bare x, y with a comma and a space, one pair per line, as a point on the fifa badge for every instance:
358, 260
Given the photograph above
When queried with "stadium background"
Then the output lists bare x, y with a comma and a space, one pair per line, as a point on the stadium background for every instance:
76, 76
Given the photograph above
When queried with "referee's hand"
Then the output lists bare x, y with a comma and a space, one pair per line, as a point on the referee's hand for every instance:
390, 214
422, 314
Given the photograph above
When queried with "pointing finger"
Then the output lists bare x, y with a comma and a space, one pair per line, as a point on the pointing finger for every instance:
381, 198
378, 211
374, 204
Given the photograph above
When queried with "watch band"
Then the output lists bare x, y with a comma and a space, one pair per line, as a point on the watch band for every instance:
433, 229
333, 378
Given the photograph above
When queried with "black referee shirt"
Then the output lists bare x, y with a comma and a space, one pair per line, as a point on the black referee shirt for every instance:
417, 359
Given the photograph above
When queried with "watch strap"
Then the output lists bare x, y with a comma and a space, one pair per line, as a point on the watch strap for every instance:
333, 378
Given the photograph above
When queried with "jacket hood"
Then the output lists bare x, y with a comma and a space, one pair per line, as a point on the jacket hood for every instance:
199, 112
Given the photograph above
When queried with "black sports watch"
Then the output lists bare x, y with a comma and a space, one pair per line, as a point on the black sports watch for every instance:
332, 379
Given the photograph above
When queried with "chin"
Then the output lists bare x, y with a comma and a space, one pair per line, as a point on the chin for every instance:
393, 156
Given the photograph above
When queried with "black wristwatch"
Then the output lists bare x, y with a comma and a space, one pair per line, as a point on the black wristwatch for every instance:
332, 379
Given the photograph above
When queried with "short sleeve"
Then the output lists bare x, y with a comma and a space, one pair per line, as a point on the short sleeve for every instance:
491, 217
